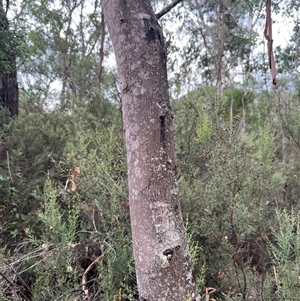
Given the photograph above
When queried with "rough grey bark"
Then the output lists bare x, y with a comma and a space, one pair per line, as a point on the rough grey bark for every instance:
162, 260
9, 92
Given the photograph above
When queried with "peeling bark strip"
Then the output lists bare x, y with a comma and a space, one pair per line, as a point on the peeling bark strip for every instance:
162, 261
269, 38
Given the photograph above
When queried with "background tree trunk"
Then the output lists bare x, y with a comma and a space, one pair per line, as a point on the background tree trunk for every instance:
9, 93
162, 260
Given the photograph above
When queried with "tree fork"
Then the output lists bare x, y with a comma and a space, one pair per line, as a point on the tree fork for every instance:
162, 260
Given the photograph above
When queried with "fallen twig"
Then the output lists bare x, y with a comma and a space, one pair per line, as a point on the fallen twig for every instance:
8, 167
84, 276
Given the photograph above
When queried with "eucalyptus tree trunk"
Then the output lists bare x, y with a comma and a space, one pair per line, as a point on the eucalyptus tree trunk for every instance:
162, 259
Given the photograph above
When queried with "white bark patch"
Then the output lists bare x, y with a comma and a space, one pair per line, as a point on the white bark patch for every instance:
135, 192
175, 191
143, 91
143, 16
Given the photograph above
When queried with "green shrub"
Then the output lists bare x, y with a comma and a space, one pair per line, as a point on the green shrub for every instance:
285, 255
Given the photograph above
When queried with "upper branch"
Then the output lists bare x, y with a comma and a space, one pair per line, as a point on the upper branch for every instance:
167, 8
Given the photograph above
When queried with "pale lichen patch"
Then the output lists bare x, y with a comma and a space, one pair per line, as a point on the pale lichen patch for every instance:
164, 261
